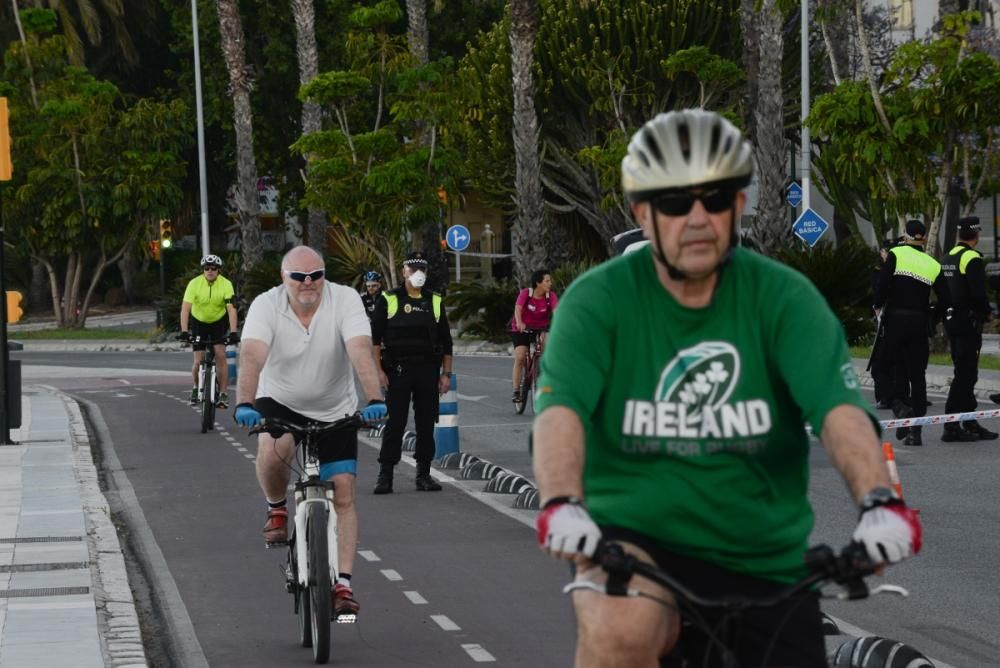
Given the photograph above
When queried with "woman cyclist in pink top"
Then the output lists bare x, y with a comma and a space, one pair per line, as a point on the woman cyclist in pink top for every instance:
532, 315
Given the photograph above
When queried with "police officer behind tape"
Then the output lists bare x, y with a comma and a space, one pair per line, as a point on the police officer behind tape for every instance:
964, 270
412, 339
902, 299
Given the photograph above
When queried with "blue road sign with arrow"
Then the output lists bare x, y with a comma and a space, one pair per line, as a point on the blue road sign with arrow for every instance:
809, 227
458, 237
794, 194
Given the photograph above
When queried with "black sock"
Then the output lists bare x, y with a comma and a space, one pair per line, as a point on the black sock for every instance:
274, 505
344, 579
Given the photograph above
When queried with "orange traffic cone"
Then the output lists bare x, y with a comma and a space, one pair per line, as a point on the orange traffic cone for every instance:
890, 462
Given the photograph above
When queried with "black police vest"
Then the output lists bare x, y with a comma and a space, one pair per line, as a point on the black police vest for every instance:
958, 283
411, 328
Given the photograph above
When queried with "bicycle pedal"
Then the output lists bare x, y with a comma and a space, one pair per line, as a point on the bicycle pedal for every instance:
347, 618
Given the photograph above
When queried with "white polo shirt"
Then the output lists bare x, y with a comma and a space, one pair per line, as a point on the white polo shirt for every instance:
308, 370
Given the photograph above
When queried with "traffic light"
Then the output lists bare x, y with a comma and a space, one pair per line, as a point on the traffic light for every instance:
166, 233
14, 299
6, 166
154, 250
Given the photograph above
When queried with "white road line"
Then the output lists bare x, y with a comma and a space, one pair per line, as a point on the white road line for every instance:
445, 623
123, 381
415, 597
368, 555
392, 575
248, 456
477, 653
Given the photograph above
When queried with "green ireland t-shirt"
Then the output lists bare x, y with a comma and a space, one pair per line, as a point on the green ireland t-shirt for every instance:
694, 417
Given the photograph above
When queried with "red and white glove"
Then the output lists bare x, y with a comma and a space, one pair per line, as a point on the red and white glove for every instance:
565, 529
889, 530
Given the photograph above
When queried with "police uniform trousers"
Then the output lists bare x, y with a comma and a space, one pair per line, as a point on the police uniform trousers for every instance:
965, 347
906, 337
416, 379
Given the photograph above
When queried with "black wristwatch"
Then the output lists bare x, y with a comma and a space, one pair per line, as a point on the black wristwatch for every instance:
879, 496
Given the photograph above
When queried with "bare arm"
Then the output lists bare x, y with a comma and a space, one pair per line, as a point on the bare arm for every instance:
360, 350
517, 318
185, 315
558, 453
852, 445
233, 318
253, 354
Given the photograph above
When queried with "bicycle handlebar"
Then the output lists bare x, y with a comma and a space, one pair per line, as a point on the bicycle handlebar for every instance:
848, 569
201, 342
272, 425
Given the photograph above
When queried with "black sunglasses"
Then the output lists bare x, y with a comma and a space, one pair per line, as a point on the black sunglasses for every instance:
210, 267
301, 276
679, 203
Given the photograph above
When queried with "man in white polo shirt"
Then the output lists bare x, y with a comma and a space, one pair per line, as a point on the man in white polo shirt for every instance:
300, 342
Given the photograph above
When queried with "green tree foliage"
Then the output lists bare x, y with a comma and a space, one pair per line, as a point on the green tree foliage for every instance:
92, 170
941, 102
367, 171
602, 69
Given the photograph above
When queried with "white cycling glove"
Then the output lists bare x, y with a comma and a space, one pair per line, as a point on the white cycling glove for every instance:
565, 529
889, 530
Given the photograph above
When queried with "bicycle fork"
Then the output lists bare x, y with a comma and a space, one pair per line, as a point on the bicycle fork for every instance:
301, 507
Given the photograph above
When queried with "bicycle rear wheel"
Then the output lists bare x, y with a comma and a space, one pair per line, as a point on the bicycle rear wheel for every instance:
319, 581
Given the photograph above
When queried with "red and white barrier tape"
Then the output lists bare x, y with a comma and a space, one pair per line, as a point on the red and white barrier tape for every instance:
939, 419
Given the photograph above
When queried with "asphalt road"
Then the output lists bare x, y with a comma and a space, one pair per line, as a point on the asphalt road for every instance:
470, 562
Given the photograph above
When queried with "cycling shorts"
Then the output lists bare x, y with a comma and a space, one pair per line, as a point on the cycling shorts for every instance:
215, 331
793, 629
523, 338
338, 450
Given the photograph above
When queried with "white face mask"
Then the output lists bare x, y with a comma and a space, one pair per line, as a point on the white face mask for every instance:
417, 279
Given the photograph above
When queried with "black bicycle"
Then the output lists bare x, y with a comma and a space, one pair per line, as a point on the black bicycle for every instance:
847, 569
208, 380
312, 563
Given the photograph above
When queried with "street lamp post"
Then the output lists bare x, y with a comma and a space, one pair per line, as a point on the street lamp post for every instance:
804, 163
201, 130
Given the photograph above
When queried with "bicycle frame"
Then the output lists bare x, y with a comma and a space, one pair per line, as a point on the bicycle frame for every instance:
302, 502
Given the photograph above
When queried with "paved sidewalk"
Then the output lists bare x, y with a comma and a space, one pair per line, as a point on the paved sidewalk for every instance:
66, 600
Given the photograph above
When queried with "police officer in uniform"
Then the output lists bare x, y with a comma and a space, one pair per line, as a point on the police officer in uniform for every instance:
902, 300
412, 339
965, 272
373, 292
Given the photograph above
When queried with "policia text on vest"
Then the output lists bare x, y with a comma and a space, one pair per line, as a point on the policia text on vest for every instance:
413, 338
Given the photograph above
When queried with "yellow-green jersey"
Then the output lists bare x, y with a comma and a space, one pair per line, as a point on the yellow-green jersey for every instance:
694, 417
209, 300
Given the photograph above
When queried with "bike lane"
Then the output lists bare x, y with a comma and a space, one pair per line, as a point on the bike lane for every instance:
442, 578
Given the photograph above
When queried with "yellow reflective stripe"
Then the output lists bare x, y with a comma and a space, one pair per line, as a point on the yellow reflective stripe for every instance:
436, 306
963, 262
915, 264
392, 302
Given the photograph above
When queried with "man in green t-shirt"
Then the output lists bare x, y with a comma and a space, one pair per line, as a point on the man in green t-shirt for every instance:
673, 393
208, 312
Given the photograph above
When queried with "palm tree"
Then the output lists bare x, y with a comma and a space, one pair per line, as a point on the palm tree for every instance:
304, 14
770, 227
85, 21
240, 85
527, 233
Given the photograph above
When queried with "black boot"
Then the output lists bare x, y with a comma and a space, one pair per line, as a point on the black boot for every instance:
914, 437
954, 433
901, 411
979, 432
384, 483
425, 483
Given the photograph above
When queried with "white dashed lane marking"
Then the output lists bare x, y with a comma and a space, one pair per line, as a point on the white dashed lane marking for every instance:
477, 653
368, 555
445, 623
415, 597
392, 575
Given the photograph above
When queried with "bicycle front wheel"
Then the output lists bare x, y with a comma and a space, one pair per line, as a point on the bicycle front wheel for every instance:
523, 389
207, 399
302, 608
319, 581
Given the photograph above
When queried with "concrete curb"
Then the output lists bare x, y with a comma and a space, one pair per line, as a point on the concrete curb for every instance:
118, 621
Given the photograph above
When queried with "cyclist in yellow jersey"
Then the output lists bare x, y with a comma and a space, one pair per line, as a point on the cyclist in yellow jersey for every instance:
207, 310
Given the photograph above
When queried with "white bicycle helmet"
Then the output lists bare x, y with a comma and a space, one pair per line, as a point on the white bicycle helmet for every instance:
211, 260
681, 149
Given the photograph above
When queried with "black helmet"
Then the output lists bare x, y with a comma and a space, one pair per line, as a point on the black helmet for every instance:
875, 652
